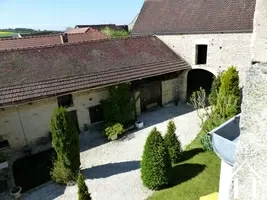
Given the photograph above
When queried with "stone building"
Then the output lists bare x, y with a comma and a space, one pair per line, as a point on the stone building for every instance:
209, 35
36, 80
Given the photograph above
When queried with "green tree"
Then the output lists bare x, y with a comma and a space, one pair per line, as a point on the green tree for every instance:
156, 163
229, 96
65, 141
215, 87
172, 143
115, 33
83, 193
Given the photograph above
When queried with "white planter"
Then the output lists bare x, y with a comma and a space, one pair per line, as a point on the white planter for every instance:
139, 125
17, 194
3, 165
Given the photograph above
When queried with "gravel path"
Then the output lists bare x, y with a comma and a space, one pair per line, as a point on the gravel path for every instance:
112, 169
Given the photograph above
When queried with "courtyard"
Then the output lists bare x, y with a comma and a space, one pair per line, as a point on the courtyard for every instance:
112, 169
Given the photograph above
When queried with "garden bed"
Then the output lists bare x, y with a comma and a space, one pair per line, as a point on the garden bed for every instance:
33, 171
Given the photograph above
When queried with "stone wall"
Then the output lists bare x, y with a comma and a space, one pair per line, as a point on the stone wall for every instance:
252, 147
27, 123
169, 91
224, 50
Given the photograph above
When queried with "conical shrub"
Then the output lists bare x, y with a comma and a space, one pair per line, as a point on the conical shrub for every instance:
156, 163
83, 193
172, 143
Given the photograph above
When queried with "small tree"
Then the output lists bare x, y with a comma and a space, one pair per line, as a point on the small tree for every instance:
156, 163
65, 141
229, 96
215, 87
83, 193
172, 143
115, 33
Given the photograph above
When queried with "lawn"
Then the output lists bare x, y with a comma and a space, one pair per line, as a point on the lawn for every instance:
5, 34
195, 176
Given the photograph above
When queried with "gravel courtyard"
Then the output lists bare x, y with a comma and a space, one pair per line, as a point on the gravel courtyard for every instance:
112, 169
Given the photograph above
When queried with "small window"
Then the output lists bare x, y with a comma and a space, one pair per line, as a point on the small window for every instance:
201, 54
4, 145
65, 101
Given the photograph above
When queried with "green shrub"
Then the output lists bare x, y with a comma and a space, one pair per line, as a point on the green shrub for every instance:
114, 130
83, 193
206, 142
215, 87
156, 163
65, 141
119, 107
172, 143
229, 93
115, 33
61, 174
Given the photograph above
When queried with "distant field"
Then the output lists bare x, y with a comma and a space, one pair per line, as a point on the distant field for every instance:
5, 34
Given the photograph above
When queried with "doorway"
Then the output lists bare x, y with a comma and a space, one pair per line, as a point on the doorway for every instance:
96, 114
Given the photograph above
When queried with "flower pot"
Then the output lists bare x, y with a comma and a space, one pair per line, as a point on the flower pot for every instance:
139, 124
3, 165
15, 192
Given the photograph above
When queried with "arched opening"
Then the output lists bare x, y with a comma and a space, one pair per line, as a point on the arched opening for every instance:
197, 78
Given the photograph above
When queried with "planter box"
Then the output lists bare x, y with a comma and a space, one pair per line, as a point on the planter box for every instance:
225, 138
139, 125
3, 165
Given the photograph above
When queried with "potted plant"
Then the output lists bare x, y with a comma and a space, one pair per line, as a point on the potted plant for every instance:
113, 130
16, 192
139, 124
3, 162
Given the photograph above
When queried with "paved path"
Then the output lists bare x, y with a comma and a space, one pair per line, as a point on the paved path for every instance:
112, 169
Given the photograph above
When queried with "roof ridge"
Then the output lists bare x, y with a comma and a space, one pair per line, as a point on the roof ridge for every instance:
33, 36
73, 43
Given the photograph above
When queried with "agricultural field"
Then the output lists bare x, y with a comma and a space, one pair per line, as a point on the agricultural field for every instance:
6, 34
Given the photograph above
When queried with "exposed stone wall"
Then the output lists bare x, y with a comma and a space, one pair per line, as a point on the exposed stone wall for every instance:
224, 50
137, 102
169, 91
252, 147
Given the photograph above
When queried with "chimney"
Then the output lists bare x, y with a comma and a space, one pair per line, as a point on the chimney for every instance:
64, 38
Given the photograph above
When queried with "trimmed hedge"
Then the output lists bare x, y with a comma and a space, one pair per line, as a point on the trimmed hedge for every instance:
156, 163
173, 144
83, 193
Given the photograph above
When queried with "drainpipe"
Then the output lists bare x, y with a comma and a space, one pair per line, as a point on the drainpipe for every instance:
22, 128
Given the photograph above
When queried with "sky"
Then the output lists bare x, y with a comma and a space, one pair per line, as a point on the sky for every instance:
60, 14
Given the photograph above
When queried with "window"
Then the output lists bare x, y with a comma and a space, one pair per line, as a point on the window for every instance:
4, 145
201, 54
65, 101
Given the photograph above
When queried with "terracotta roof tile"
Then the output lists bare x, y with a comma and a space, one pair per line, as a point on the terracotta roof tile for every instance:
38, 72
194, 16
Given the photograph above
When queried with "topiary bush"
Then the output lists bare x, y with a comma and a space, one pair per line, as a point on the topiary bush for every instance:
113, 130
83, 193
172, 143
229, 94
65, 141
215, 87
155, 163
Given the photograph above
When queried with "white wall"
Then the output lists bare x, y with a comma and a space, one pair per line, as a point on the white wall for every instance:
224, 50
225, 181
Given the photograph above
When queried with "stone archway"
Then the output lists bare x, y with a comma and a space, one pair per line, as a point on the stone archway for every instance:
197, 78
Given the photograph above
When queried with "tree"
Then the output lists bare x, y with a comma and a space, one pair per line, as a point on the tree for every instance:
115, 33
172, 143
229, 96
156, 163
83, 193
215, 87
65, 141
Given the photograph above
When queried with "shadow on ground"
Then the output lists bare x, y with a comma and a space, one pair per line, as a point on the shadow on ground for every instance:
184, 172
159, 115
110, 169
190, 154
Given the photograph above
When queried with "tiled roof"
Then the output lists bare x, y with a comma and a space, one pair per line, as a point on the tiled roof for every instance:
194, 16
77, 30
38, 72
45, 40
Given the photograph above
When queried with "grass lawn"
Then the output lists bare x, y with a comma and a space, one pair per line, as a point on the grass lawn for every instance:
197, 175
5, 34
